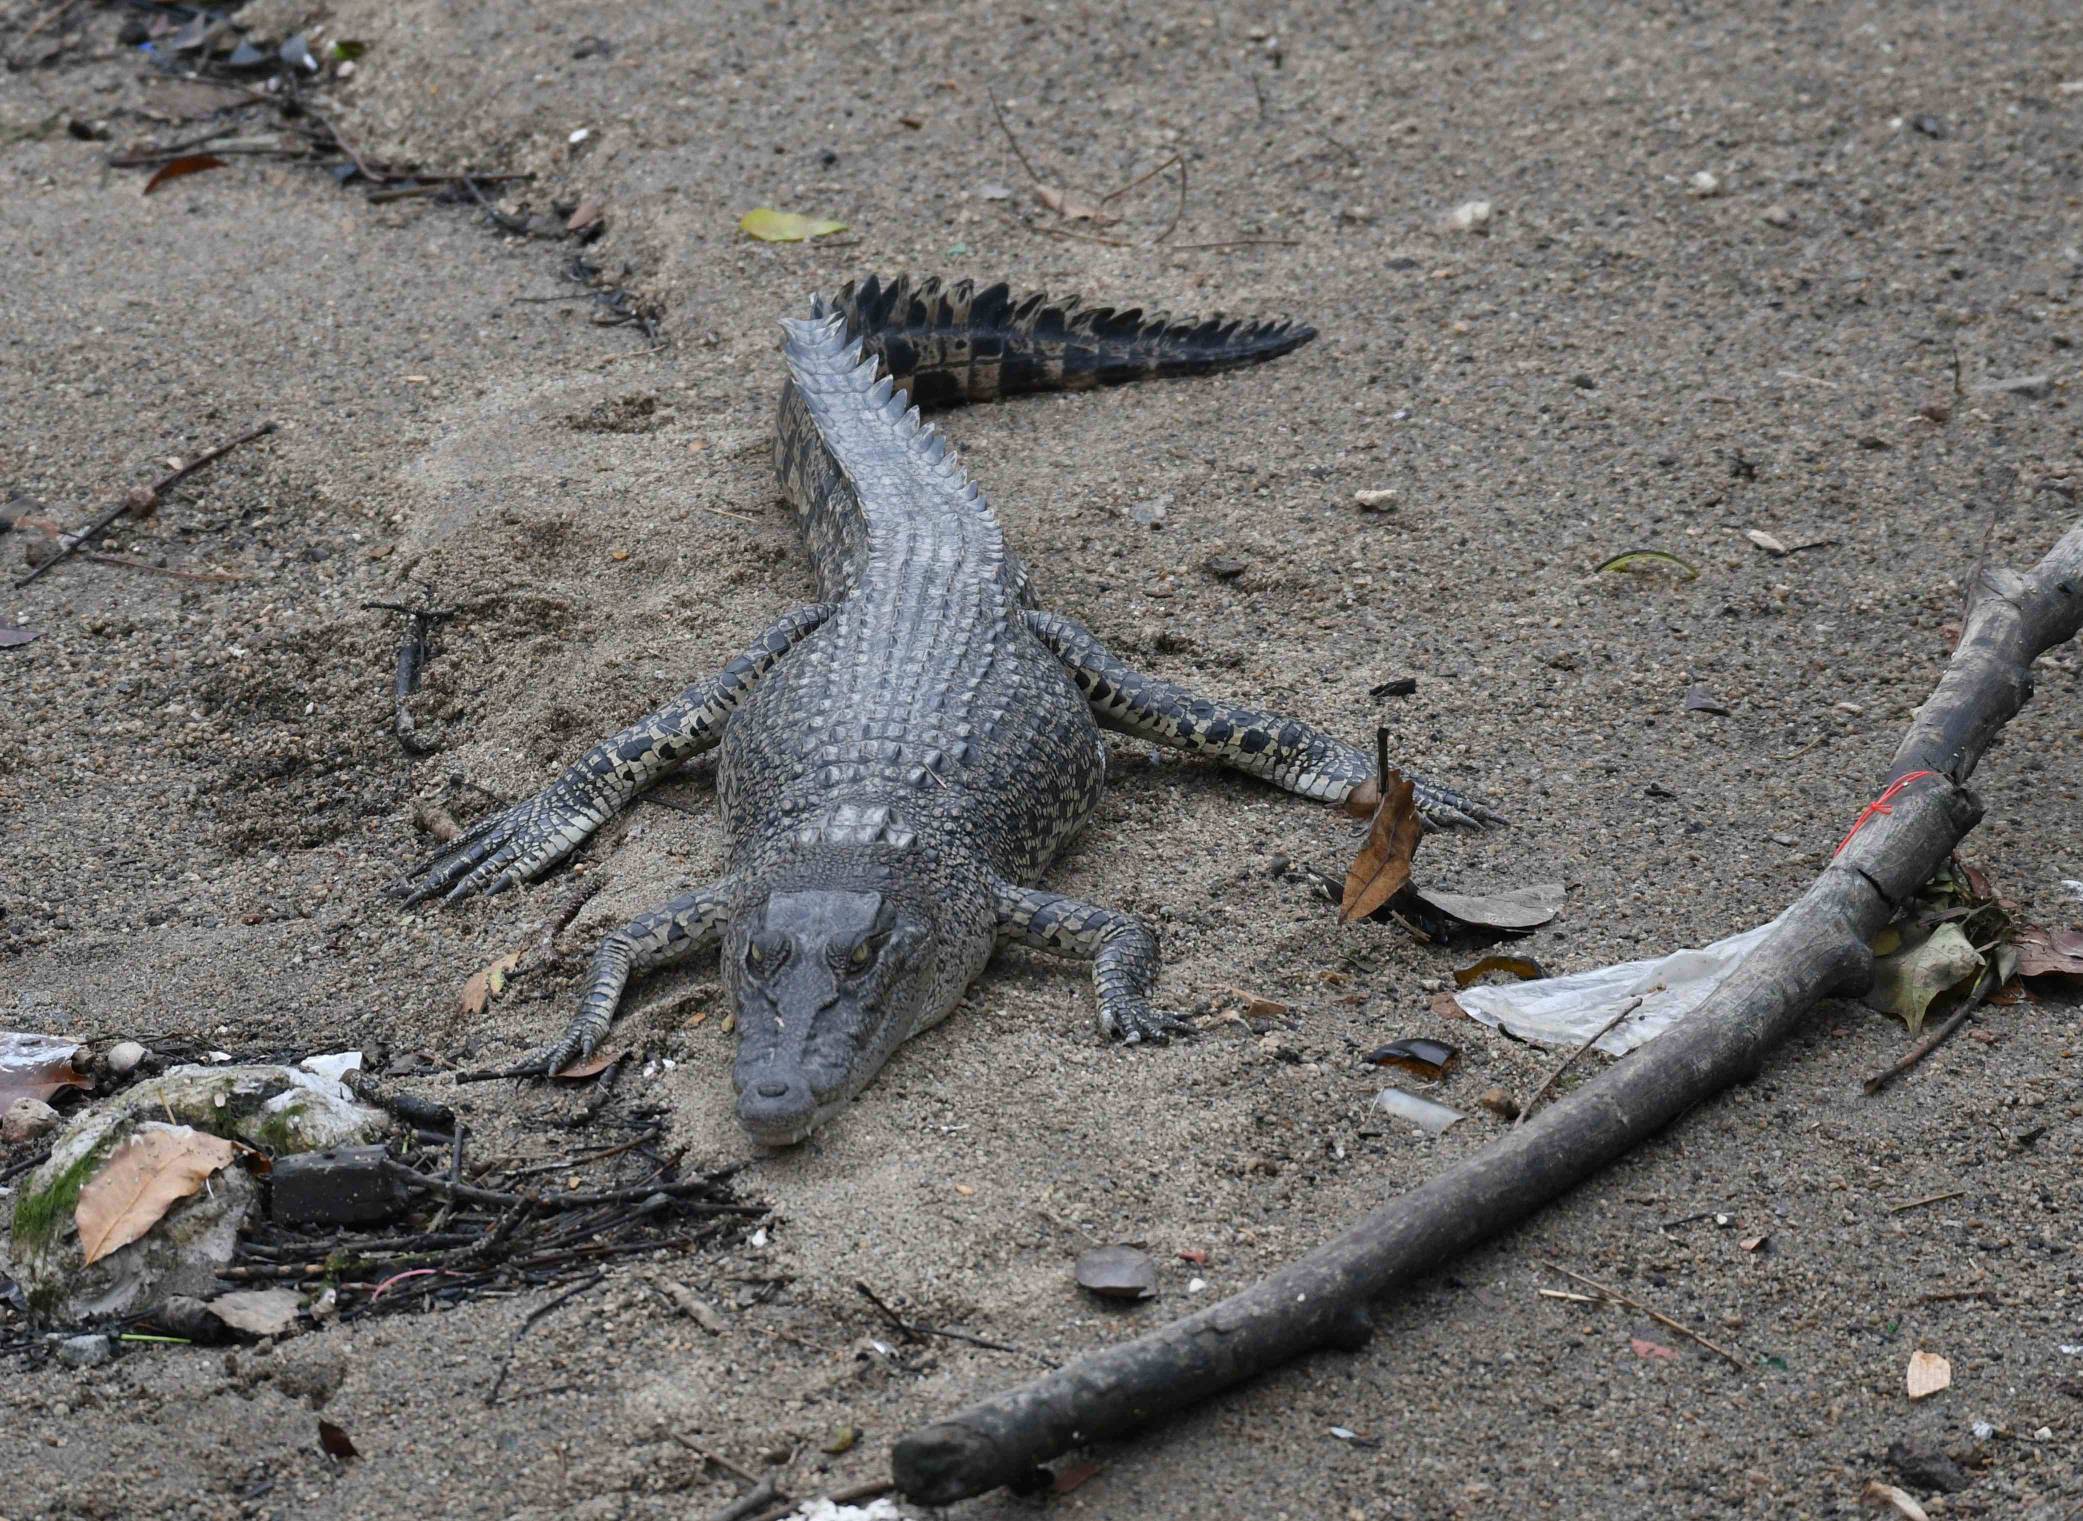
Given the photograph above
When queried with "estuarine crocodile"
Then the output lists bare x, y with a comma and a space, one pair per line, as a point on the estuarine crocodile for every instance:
901, 760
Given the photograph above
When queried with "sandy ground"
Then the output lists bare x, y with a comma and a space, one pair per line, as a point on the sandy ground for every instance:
203, 802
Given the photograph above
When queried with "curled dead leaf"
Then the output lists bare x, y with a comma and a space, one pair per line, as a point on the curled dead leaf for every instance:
187, 163
1525, 968
487, 983
1382, 867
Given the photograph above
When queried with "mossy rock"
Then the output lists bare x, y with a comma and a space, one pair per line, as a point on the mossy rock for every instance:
276, 1110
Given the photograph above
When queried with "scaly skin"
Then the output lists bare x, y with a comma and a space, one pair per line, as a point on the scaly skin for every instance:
900, 763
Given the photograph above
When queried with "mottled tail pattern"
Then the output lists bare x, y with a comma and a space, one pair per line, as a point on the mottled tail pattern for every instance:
947, 343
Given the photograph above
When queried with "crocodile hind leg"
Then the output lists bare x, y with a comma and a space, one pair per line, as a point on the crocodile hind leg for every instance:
1285, 751
1120, 947
527, 839
686, 926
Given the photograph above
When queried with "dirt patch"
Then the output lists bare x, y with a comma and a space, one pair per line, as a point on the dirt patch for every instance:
203, 799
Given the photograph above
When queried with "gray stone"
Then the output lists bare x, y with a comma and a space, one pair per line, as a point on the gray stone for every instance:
83, 1351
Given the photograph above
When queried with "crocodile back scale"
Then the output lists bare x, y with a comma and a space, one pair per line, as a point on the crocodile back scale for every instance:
901, 760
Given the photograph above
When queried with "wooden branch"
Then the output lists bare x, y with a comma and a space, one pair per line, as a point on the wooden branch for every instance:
1818, 949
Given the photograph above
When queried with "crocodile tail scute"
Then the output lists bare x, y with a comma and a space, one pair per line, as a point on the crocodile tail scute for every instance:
950, 343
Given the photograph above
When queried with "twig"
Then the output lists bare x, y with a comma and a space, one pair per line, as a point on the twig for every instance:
1910, 1204
540, 1312
497, 1198
132, 562
758, 1498
1011, 141
1656, 1315
717, 1458
1946, 1296
1243, 243
145, 497
914, 1331
1984, 986
415, 650
506, 223
1571, 1060
1817, 947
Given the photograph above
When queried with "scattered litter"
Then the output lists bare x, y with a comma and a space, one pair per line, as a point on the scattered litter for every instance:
37, 1066
2034, 386
2049, 953
1928, 1374
1432, 1118
487, 983
1753, 1243
335, 1065
1347, 1434
1525, 968
1117, 1272
787, 226
1766, 542
14, 636
1699, 700
1644, 559
1513, 911
1432, 1059
1196, 1285
1927, 1467
1643, 1347
1565, 1011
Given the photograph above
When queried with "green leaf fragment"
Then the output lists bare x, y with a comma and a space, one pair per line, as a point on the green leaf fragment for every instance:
1635, 559
771, 226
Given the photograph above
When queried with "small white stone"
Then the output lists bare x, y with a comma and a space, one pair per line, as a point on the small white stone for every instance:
1777, 216
1196, 1285
1381, 500
1471, 216
1704, 184
579, 136
124, 1056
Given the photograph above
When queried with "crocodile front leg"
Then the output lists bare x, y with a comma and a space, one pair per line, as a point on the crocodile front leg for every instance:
527, 839
687, 925
1285, 751
1120, 947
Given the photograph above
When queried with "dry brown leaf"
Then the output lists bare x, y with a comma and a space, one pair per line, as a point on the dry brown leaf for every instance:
1383, 865
1065, 204
147, 1176
258, 1312
190, 163
487, 983
588, 214
1928, 1373
336, 1442
2049, 953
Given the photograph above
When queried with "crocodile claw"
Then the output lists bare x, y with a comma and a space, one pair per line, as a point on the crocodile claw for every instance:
1134, 1022
516, 845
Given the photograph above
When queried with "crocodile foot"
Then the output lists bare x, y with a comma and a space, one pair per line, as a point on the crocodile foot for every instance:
516, 845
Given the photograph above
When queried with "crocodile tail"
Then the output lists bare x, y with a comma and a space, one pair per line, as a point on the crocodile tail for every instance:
949, 343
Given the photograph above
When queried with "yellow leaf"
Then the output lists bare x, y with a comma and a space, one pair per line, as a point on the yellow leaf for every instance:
488, 983
147, 1176
771, 226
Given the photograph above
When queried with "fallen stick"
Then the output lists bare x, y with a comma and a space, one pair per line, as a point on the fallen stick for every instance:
1818, 948
1570, 1061
141, 500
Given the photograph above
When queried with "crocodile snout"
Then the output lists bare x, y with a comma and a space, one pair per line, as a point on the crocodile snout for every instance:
778, 1108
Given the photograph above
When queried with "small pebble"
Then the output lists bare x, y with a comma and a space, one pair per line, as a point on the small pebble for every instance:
83, 1351
1471, 216
1500, 1103
1382, 500
124, 1056
1777, 216
26, 1119
1703, 185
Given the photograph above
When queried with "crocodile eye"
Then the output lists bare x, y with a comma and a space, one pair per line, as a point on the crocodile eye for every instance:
754, 955
862, 955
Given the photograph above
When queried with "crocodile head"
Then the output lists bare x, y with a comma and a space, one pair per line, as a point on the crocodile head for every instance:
828, 981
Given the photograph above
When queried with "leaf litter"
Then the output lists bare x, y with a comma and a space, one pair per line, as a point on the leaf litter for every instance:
156, 1169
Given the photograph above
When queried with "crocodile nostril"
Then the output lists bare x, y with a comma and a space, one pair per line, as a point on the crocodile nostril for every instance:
773, 1090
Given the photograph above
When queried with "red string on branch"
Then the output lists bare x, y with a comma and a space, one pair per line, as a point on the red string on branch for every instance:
1879, 805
